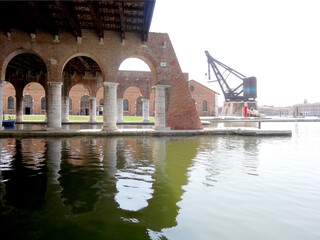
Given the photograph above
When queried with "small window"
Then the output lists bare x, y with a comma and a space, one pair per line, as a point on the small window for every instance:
204, 106
43, 104
10, 103
191, 88
125, 105
70, 104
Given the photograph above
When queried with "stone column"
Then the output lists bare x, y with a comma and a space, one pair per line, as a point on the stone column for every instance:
1, 103
110, 106
19, 104
160, 107
120, 109
54, 106
145, 110
93, 109
65, 109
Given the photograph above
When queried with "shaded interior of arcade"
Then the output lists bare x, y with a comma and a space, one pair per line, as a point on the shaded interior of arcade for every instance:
25, 90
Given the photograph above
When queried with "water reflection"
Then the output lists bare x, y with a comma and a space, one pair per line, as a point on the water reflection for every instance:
177, 188
134, 173
102, 183
24, 175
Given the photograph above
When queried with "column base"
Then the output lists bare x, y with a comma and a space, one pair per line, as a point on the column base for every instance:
109, 129
161, 128
54, 129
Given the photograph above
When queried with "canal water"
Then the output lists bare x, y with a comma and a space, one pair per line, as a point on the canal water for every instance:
204, 187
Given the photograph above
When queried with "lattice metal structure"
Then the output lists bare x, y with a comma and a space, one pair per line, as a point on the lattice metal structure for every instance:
245, 91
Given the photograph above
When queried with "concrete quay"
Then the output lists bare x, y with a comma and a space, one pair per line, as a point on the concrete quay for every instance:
142, 132
252, 119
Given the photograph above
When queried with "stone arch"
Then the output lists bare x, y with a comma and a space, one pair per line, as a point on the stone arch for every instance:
132, 94
83, 54
28, 104
14, 54
37, 92
84, 105
146, 58
9, 92
75, 94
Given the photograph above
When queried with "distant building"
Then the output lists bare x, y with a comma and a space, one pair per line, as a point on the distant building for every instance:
307, 109
276, 111
206, 100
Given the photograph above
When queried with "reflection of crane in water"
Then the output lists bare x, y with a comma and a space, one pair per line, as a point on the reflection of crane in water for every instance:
243, 95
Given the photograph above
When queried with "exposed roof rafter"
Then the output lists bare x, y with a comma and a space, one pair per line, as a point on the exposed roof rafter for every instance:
70, 17
94, 11
122, 16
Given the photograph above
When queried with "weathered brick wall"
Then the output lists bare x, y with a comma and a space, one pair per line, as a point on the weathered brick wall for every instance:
130, 90
158, 53
200, 94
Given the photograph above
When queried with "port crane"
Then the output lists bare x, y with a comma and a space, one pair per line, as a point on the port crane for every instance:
245, 91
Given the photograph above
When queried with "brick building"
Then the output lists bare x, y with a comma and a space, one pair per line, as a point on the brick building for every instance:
34, 97
206, 100
89, 51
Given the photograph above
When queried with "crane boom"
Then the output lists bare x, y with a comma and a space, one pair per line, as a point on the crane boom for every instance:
245, 91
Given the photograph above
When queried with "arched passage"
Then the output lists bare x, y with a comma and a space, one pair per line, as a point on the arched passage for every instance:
136, 77
23, 68
27, 105
36, 93
77, 95
80, 70
9, 99
134, 97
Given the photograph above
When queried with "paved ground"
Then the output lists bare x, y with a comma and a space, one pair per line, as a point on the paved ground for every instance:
244, 131
143, 132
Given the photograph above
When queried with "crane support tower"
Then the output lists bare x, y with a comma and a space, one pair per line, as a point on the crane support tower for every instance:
239, 100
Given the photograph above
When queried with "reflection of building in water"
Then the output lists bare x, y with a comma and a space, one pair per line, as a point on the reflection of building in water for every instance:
121, 183
134, 174
80, 175
172, 159
23, 176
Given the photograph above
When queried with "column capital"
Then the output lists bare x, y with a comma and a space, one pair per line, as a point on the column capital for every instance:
110, 84
2, 83
161, 86
54, 84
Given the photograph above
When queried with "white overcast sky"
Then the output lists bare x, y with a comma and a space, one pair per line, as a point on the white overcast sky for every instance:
277, 41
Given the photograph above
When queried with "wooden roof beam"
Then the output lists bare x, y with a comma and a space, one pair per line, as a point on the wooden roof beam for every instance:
72, 20
41, 9
122, 25
95, 14
148, 10
84, 63
5, 16
28, 18
74, 67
